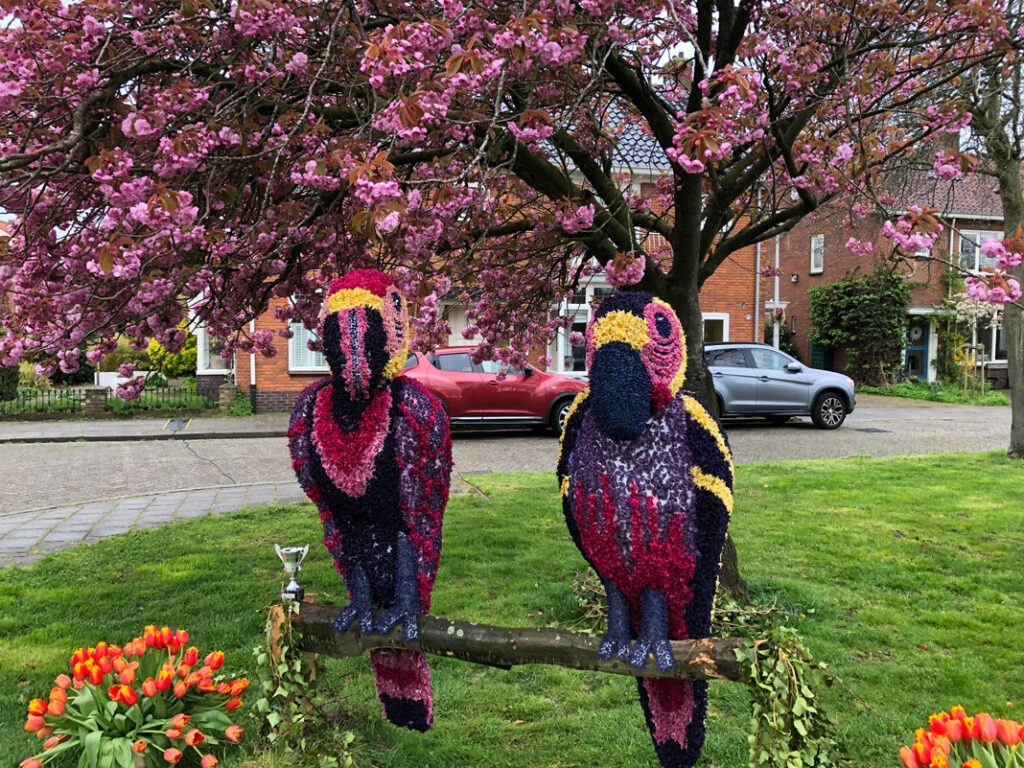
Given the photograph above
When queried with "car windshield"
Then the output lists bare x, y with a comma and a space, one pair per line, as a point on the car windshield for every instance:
769, 358
493, 367
727, 358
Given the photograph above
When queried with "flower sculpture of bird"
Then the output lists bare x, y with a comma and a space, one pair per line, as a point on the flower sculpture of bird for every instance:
372, 450
646, 483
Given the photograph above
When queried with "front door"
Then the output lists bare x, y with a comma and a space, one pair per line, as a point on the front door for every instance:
917, 347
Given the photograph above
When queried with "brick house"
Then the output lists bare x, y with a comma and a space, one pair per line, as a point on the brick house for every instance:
813, 253
728, 300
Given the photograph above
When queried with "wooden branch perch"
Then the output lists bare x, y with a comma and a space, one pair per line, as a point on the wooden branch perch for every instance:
708, 659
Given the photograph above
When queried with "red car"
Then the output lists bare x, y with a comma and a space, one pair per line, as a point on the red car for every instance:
472, 394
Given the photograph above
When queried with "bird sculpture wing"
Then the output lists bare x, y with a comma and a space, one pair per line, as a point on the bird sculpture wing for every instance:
567, 443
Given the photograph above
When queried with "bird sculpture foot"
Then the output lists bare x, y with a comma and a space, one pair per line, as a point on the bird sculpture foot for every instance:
360, 608
617, 638
410, 623
407, 607
654, 632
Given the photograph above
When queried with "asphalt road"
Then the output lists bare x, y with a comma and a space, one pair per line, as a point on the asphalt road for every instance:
46, 475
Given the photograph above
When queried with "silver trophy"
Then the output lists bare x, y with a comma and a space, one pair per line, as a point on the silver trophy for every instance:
292, 558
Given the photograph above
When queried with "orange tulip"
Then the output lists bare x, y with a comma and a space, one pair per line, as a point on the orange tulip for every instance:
239, 685
114, 650
958, 712
908, 758
955, 730
193, 737
42, 733
34, 723
233, 704
215, 659
58, 694
139, 747
233, 733
149, 687
95, 675
53, 741
180, 688
30, 762
984, 728
163, 679
166, 636
172, 755
56, 708
127, 676
37, 707
206, 685
223, 688
63, 681
183, 670
173, 733
191, 656
972, 763
181, 636
208, 761
180, 720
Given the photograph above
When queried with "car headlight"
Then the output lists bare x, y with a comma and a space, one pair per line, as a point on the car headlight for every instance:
849, 383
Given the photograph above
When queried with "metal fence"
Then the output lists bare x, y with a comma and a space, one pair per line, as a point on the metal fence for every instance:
172, 398
31, 400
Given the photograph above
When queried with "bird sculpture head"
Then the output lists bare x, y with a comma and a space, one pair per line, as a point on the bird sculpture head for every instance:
636, 356
365, 331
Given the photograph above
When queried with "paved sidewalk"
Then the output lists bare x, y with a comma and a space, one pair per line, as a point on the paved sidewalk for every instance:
203, 428
28, 536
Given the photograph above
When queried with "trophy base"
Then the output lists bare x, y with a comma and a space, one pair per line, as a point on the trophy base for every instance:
294, 594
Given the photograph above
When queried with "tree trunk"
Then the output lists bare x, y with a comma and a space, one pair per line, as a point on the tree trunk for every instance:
505, 647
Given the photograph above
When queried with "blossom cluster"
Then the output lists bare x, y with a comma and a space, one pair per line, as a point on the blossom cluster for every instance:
956, 740
152, 693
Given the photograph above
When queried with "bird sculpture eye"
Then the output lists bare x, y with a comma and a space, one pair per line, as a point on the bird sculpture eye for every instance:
662, 324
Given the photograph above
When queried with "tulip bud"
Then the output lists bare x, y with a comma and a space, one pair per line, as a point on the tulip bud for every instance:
63, 681
937, 724
172, 755
183, 670
166, 636
193, 737
1008, 732
43, 732
58, 694
208, 761
105, 664
173, 733
149, 687
215, 659
139, 747
955, 730
37, 707
127, 676
56, 708
180, 688
53, 741
984, 728
181, 636
30, 762
99, 650
233, 733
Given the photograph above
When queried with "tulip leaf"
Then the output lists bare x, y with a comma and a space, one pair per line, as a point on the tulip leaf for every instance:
91, 749
135, 715
122, 752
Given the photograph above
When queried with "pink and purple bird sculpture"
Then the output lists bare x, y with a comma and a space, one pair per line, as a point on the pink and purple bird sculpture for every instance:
646, 483
372, 450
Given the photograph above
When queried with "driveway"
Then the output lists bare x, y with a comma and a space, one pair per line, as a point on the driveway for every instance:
40, 475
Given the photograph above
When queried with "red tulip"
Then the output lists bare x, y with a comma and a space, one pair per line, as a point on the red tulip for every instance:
37, 707
191, 656
127, 676
984, 728
163, 679
206, 685
181, 636
114, 650
95, 675
128, 695
172, 755
937, 724
149, 687
958, 712
215, 659
166, 636
149, 636
180, 688
105, 664
208, 761
223, 688
908, 759
233, 704
955, 730
233, 733
239, 685
63, 681
193, 737
139, 747
99, 650
180, 720
79, 671
1008, 732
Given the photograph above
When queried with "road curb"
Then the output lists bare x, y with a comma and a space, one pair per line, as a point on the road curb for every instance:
140, 438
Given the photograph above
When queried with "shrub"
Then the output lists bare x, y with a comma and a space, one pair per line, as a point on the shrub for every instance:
155, 400
172, 364
125, 354
241, 405
8, 383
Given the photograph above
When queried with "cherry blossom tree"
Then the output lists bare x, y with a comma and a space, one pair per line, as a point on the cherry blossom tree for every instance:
230, 152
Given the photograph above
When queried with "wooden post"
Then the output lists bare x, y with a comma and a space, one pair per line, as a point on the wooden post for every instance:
504, 647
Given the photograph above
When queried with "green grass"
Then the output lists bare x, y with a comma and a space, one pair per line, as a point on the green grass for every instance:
904, 576
920, 390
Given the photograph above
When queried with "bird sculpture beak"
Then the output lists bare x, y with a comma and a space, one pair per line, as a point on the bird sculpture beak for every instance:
352, 333
620, 391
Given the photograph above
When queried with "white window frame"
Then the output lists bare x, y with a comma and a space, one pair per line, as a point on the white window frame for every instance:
300, 334
581, 313
987, 336
976, 237
723, 316
203, 352
817, 249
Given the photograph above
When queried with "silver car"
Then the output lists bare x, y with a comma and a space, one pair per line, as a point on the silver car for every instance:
758, 380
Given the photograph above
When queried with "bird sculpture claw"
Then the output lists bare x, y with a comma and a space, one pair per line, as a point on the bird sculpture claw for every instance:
406, 608
617, 638
654, 634
360, 608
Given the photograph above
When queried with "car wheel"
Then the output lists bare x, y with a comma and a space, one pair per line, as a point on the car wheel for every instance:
777, 419
560, 413
829, 411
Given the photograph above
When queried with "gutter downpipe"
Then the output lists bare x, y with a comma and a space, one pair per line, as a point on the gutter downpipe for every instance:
775, 312
252, 370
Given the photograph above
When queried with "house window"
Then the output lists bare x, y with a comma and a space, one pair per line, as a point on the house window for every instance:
716, 326
990, 332
817, 254
208, 349
569, 357
971, 256
300, 356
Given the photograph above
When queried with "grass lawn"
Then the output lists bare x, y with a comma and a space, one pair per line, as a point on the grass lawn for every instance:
903, 574
920, 390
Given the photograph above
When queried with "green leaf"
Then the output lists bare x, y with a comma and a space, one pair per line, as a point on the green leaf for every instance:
91, 748
799, 706
122, 753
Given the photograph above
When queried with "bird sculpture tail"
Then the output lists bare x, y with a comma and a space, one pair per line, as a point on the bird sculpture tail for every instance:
403, 687
675, 710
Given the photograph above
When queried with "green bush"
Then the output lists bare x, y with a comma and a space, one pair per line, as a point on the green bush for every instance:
125, 354
32, 400
154, 400
938, 393
174, 365
241, 405
8, 383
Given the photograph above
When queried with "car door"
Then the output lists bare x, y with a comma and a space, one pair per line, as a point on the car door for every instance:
454, 381
508, 396
733, 378
783, 384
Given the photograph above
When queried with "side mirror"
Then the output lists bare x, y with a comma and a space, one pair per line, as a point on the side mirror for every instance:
794, 367
527, 371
